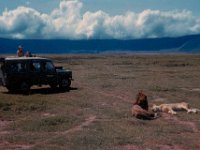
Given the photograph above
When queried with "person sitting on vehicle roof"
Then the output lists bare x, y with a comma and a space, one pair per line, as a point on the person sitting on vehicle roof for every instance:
28, 54
20, 52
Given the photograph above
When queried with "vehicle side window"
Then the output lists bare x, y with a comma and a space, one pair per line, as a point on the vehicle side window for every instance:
35, 66
21, 67
13, 67
17, 67
49, 67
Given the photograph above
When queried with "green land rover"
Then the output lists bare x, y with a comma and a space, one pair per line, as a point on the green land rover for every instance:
20, 73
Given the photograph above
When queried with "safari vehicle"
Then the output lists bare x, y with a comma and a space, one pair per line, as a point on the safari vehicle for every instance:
20, 73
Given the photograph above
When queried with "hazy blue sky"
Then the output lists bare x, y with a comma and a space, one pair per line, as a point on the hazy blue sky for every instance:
110, 6
120, 19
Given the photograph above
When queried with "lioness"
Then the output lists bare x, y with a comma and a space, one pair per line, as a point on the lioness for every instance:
171, 108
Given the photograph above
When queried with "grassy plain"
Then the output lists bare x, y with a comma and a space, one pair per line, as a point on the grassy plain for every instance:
95, 112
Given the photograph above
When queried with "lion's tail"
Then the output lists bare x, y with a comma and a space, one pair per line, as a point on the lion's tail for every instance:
193, 110
198, 110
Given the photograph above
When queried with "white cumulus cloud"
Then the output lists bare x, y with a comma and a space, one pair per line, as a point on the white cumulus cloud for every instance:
67, 22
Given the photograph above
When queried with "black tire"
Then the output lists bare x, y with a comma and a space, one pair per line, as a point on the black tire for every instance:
24, 87
65, 84
11, 89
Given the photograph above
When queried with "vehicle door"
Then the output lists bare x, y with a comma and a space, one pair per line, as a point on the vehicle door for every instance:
16, 72
35, 71
49, 72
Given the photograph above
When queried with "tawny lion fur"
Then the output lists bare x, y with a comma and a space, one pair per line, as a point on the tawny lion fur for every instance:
140, 108
173, 107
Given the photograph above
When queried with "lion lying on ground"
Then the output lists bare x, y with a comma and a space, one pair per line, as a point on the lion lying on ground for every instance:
140, 108
171, 108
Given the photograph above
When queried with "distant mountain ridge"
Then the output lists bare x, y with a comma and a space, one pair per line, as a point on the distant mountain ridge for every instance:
189, 43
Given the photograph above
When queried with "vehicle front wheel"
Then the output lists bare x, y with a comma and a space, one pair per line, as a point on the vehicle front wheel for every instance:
65, 84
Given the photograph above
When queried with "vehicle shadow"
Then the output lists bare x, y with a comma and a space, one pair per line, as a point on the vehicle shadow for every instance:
43, 90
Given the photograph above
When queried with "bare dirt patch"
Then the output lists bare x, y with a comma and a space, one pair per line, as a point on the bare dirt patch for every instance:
48, 115
191, 89
86, 123
77, 128
3, 127
175, 119
191, 124
170, 147
11, 146
129, 147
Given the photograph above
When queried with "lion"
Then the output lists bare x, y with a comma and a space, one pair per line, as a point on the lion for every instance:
173, 107
140, 108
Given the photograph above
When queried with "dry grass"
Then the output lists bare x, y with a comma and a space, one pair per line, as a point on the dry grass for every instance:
95, 113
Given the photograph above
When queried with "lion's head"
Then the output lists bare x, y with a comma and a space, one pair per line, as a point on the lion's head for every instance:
141, 97
141, 100
155, 108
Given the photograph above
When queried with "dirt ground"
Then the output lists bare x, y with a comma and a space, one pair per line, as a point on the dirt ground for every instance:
96, 112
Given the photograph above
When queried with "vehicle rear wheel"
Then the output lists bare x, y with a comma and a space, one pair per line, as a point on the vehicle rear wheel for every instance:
65, 84
11, 89
24, 87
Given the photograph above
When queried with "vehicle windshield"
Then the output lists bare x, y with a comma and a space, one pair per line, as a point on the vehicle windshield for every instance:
48, 67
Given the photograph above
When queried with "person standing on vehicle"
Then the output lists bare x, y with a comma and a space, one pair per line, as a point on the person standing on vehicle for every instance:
20, 52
